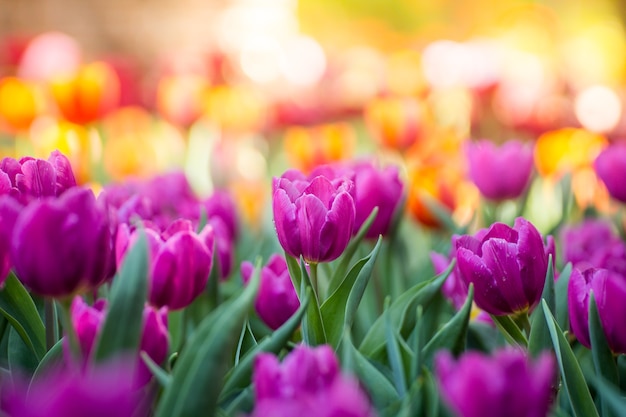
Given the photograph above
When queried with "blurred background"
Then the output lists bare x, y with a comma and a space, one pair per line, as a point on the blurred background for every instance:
233, 91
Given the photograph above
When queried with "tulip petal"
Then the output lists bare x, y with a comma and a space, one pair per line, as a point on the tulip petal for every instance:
287, 227
487, 295
533, 261
337, 229
323, 189
500, 257
311, 213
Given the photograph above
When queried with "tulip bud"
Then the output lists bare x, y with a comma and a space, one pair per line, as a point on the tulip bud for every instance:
507, 267
313, 219
609, 291
276, 299
88, 321
307, 383
180, 261
376, 188
62, 245
610, 166
500, 173
504, 385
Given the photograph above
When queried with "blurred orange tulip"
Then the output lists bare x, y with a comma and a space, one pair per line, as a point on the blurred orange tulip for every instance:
88, 95
567, 150
18, 103
179, 98
235, 109
395, 122
309, 147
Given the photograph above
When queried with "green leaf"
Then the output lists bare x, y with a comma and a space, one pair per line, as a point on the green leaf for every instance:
511, 331
393, 353
418, 344
239, 376
17, 306
579, 395
339, 310
539, 338
121, 331
603, 359
294, 272
378, 385
21, 359
349, 252
420, 294
313, 331
431, 395
54, 357
453, 334
195, 384
162, 377
610, 394
246, 342
560, 292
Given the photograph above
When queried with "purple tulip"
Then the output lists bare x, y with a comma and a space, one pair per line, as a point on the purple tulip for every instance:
31, 178
307, 384
610, 166
88, 320
9, 210
501, 172
507, 267
504, 385
314, 219
609, 291
62, 245
593, 243
222, 205
180, 261
276, 299
224, 246
102, 391
376, 188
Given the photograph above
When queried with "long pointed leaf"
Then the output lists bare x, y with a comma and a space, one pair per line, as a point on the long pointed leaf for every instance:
603, 359
196, 378
511, 331
17, 306
453, 334
579, 395
393, 352
313, 329
339, 309
539, 338
420, 294
121, 331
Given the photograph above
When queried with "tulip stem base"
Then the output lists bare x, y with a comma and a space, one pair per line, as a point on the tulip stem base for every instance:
313, 270
68, 328
523, 322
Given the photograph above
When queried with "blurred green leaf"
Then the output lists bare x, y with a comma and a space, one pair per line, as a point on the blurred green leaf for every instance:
126, 304
294, 272
239, 376
195, 385
579, 395
54, 357
313, 331
610, 394
420, 294
560, 294
21, 358
511, 331
393, 353
17, 306
161, 376
339, 310
539, 338
453, 334
603, 359
344, 262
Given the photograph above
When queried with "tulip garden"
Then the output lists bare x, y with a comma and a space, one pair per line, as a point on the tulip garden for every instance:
451, 243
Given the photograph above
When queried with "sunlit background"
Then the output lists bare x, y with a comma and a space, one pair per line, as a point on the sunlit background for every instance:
234, 91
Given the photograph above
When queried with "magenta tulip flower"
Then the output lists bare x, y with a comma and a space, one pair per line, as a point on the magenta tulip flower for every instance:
609, 291
180, 261
101, 391
222, 205
313, 219
88, 320
507, 266
9, 210
307, 384
500, 173
507, 384
276, 299
610, 165
376, 188
31, 178
62, 245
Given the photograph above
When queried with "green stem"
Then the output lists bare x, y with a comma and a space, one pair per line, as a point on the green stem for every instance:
523, 321
70, 331
50, 323
313, 269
